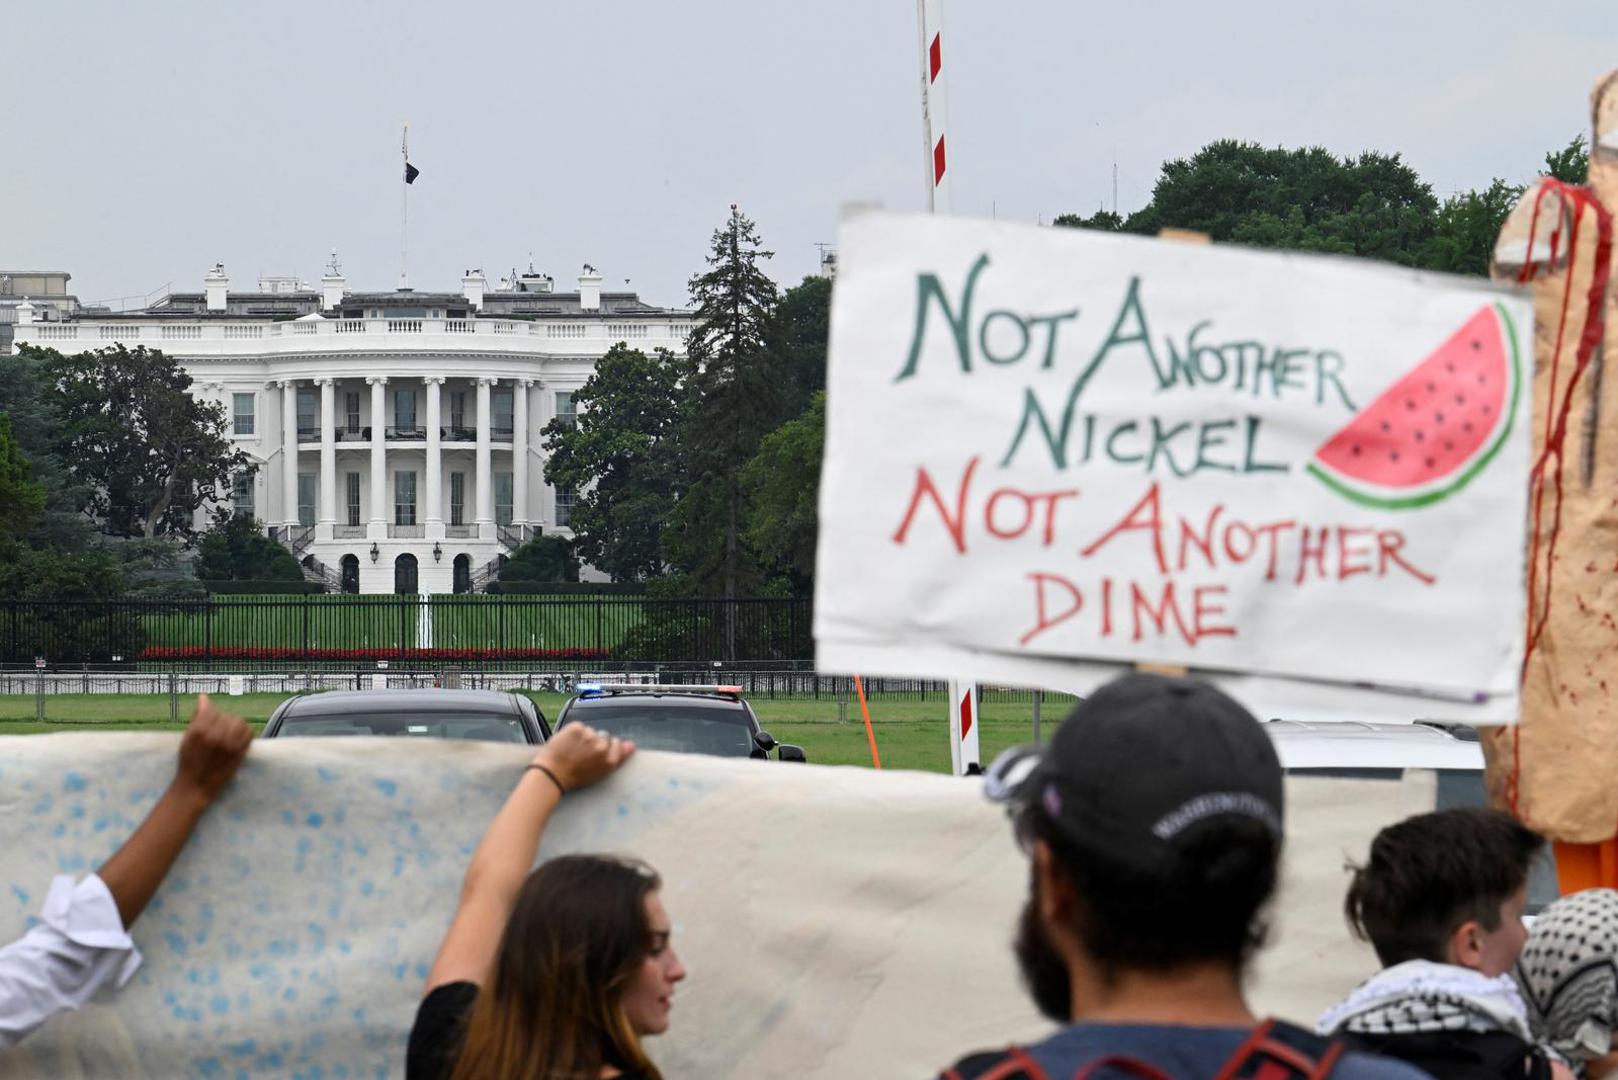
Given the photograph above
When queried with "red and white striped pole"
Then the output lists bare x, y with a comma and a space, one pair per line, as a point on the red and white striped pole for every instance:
934, 103
963, 695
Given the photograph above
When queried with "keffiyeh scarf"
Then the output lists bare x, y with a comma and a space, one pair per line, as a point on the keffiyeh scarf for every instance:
1419, 997
1569, 975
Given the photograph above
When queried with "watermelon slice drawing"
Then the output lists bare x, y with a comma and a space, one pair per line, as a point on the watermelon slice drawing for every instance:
1435, 429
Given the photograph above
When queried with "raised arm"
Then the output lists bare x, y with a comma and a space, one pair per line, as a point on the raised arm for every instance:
576, 757
81, 942
210, 753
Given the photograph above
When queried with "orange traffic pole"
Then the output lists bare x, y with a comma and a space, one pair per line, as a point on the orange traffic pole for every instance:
870, 733
1587, 866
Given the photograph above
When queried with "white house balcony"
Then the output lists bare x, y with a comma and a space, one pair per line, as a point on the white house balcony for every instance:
562, 336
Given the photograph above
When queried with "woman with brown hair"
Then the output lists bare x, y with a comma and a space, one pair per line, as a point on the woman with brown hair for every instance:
556, 974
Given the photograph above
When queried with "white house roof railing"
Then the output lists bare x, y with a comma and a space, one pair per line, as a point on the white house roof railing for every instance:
225, 338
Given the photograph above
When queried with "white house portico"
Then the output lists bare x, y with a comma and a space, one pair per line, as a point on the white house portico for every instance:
396, 435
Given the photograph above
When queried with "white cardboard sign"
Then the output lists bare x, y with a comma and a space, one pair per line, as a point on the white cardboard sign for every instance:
1052, 452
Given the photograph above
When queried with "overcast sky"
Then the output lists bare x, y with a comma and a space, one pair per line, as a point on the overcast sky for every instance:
146, 141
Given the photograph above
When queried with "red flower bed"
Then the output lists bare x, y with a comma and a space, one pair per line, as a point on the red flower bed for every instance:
230, 652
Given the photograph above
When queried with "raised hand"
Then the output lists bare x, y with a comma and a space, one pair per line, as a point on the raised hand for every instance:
579, 755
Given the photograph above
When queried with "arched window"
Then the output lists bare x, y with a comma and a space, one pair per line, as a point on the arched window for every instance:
404, 575
463, 573
351, 573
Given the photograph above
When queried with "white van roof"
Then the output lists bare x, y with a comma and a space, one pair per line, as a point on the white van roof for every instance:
1355, 745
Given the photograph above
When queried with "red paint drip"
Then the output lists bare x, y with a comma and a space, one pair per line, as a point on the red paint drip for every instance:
1556, 419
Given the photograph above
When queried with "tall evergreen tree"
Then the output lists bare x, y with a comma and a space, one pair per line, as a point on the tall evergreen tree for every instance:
739, 393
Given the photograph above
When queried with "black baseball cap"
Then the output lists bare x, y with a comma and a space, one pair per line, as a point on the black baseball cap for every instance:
1140, 763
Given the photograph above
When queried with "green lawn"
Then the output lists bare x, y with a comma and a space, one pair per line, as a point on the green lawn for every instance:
910, 734
505, 623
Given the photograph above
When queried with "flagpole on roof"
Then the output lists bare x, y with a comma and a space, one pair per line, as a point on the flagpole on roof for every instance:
404, 210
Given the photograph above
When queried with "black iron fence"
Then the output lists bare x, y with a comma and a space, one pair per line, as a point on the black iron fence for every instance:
536, 632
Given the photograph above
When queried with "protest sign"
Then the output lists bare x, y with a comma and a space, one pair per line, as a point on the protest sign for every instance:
870, 937
1052, 452
1554, 772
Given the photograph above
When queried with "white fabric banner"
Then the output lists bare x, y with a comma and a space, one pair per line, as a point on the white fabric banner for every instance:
1051, 452
836, 922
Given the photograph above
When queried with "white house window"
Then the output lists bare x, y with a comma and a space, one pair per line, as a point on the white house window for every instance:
245, 409
308, 413
241, 494
502, 414
457, 410
502, 498
306, 499
351, 406
352, 481
457, 498
404, 411
404, 498
564, 408
564, 507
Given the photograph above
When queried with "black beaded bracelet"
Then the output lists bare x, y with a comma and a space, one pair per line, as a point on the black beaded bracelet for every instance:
547, 772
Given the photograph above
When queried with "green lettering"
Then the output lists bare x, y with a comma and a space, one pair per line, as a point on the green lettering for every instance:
1248, 464
1206, 441
960, 323
1159, 440
1328, 366
1141, 334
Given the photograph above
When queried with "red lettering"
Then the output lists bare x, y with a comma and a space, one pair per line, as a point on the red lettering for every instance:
1271, 532
1203, 543
1230, 548
1203, 607
1106, 607
1027, 514
1051, 499
1153, 523
1315, 553
1389, 543
1045, 621
956, 525
1031, 506
1346, 568
1166, 609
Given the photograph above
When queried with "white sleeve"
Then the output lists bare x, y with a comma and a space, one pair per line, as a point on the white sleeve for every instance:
78, 947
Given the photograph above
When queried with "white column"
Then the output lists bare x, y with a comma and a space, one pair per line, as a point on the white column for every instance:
327, 520
289, 452
485, 477
376, 526
519, 451
435, 475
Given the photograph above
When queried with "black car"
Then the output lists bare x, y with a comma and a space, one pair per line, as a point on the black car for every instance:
689, 719
483, 715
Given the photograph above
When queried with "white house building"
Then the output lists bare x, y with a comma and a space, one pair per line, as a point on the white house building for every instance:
397, 434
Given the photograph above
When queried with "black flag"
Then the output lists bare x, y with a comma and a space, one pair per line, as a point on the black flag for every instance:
411, 172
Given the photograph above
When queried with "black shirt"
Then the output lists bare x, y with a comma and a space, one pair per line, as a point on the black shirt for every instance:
435, 1038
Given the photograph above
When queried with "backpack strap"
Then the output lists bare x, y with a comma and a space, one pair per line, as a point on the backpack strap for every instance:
1014, 1064
1277, 1050
1122, 1063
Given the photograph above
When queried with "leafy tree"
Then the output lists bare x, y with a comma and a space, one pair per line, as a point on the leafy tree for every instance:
544, 558
1306, 200
1571, 164
22, 498
619, 457
1101, 221
802, 327
1467, 226
152, 453
235, 550
783, 486
738, 394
